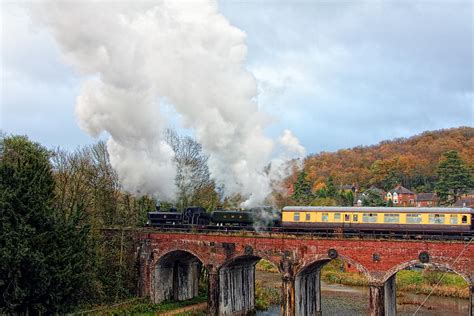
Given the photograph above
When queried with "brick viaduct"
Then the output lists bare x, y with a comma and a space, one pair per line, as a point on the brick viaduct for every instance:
170, 264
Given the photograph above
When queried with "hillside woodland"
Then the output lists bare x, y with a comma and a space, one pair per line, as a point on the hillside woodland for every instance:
410, 162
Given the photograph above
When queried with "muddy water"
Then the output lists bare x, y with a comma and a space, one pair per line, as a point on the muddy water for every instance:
348, 300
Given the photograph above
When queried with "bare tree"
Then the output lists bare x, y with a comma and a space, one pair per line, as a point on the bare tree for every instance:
195, 186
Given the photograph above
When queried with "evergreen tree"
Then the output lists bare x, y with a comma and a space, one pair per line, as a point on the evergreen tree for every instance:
346, 198
302, 189
454, 178
42, 254
330, 188
372, 198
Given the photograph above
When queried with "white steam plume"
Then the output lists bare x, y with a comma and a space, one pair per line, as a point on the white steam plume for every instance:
183, 53
291, 152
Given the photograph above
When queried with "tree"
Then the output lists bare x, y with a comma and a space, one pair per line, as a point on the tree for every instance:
346, 198
85, 179
44, 254
372, 198
454, 178
330, 188
323, 201
302, 189
195, 186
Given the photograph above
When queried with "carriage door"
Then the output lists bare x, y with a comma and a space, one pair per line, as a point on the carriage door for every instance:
347, 220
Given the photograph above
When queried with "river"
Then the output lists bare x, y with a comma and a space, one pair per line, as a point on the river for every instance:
349, 300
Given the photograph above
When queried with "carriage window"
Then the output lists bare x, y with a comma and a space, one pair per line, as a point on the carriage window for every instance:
347, 217
369, 218
296, 217
325, 217
355, 218
413, 218
391, 218
453, 219
308, 216
464, 219
436, 218
337, 216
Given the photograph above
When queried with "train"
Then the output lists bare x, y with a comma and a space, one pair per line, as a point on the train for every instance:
445, 220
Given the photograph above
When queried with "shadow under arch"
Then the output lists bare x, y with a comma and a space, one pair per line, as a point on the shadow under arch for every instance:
176, 276
237, 285
437, 264
308, 284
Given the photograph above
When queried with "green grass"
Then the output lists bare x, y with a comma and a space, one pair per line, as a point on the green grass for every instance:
266, 296
143, 306
423, 282
192, 314
266, 266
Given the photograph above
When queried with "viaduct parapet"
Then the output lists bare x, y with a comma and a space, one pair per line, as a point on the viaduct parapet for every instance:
170, 264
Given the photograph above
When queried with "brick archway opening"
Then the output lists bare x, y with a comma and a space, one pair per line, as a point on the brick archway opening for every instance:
434, 278
176, 277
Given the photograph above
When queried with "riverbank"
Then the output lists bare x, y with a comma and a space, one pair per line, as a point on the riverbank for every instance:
416, 282
143, 306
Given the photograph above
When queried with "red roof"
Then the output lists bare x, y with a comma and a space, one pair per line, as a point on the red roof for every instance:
400, 190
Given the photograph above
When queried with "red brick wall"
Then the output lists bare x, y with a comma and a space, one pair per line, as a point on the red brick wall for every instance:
377, 259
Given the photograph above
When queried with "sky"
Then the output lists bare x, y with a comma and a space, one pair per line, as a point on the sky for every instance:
338, 74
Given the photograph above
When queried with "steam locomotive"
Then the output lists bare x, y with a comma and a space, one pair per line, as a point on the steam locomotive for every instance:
197, 216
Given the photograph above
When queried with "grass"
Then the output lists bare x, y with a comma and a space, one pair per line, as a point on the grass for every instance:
422, 282
266, 266
143, 306
266, 296
191, 314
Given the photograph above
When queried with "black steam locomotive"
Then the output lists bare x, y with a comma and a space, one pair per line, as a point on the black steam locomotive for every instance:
197, 216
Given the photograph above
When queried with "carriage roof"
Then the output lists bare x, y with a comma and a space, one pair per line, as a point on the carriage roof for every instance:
372, 209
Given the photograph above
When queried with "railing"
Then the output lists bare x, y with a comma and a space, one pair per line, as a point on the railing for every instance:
279, 232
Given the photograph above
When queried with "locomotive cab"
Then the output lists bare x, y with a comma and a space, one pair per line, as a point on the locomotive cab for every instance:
195, 215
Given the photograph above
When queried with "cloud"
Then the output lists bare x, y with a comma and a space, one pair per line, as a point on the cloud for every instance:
37, 90
336, 73
342, 74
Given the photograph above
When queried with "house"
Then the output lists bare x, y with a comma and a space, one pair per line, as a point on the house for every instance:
465, 202
426, 199
348, 187
469, 194
401, 196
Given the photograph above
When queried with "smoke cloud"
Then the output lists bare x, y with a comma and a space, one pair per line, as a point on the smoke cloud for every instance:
138, 55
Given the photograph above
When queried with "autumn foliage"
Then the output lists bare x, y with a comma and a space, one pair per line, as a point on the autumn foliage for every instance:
411, 162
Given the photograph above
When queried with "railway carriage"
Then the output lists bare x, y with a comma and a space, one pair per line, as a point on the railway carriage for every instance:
407, 219
232, 218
